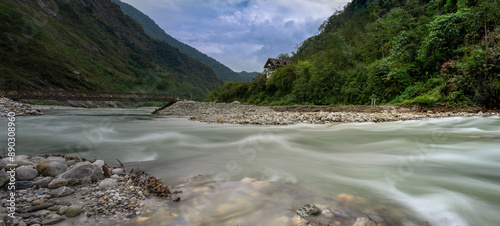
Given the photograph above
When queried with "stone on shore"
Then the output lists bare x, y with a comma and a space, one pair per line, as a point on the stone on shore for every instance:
83, 173
73, 211
52, 166
308, 210
26, 173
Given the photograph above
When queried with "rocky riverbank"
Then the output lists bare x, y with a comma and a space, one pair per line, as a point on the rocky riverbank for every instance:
54, 189
236, 113
62, 190
7, 105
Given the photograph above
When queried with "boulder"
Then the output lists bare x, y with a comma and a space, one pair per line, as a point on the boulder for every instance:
73, 211
83, 172
52, 166
26, 173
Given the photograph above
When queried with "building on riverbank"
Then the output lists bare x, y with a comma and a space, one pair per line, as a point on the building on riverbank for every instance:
273, 64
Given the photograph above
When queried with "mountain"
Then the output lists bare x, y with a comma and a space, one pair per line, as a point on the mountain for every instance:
248, 76
91, 45
426, 53
155, 31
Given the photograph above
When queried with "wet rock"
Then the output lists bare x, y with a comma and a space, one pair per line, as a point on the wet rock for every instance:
52, 166
83, 173
108, 183
345, 198
26, 172
62, 192
57, 182
73, 211
363, 221
308, 210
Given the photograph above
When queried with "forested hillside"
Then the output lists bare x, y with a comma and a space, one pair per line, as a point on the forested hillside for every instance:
397, 52
90, 45
155, 31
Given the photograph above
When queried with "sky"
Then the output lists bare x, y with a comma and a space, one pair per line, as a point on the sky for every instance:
241, 34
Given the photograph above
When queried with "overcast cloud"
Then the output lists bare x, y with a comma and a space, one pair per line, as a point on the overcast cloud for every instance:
241, 34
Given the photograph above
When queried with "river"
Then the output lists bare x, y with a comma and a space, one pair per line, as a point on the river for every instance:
436, 171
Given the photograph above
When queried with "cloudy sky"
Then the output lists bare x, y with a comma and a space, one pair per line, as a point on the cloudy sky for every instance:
241, 34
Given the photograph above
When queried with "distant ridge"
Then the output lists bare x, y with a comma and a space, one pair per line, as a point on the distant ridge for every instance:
151, 28
91, 45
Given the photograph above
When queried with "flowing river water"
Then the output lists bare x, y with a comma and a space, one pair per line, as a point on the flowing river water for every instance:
435, 171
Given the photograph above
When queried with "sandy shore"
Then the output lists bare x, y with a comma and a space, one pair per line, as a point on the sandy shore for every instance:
236, 113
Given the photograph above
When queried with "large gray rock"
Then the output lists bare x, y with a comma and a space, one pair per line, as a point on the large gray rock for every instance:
83, 172
52, 166
26, 173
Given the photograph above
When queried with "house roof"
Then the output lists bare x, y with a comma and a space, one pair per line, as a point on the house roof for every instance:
271, 62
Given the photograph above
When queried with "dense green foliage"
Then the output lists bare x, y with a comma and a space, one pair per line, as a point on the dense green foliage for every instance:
91, 45
155, 31
397, 52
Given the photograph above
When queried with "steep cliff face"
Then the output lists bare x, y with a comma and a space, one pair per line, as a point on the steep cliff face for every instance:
91, 45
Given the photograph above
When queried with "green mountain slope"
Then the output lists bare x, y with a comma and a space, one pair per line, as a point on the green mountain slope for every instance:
91, 45
155, 31
398, 52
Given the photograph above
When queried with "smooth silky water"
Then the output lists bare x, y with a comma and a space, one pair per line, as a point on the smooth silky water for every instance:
440, 171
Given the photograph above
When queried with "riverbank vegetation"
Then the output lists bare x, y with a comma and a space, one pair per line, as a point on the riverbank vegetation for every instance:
396, 52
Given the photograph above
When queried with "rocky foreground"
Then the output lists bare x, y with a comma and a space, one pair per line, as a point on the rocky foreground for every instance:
7, 105
236, 113
54, 189
62, 190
